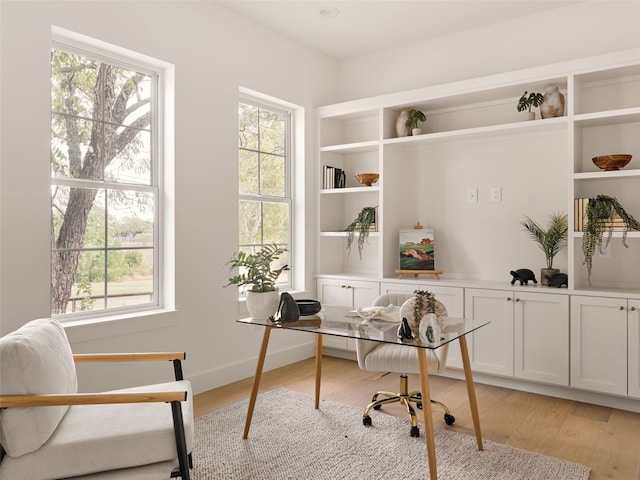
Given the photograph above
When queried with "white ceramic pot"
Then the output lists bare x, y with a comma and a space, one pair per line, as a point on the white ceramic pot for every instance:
262, 304
401, 124
416, 131
552, 103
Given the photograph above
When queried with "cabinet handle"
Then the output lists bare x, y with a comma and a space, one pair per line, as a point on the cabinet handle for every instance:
346, 286
517, 299
620, 307
633, 309
508, 299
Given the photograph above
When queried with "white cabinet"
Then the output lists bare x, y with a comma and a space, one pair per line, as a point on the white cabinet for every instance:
599, 344
605, 345
451, 297
345, 292
633, 330
528, 336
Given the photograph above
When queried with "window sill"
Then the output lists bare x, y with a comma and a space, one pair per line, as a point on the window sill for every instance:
118, 325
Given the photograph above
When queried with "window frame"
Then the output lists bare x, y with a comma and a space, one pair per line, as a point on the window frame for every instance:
76, 44
289, 111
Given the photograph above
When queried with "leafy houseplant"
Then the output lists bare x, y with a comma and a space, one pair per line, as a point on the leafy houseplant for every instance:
362, 226
526, 102
258, 273
415, 117
425, 302
600, 214
551, 239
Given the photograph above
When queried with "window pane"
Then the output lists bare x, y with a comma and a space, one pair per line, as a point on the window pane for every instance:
73, 80
272, 175
80, 231
248, 127
133, 163
71, 146
88, 288
248, 172
272, 132
276, 222
131, 216
130, 279
250, 224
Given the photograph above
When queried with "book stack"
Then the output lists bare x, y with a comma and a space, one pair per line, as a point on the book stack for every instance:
333, 177
580, 217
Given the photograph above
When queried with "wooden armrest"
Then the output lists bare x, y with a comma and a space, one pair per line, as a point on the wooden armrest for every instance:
9, 401
128, 357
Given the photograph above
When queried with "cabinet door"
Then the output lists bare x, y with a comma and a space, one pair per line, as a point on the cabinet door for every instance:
541, 337
633, 329
491, 347
599, 344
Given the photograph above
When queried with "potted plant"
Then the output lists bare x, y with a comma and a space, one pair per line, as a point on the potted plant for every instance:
529, 100
362, 225
415, 117
600, 214
258, 273
550, 240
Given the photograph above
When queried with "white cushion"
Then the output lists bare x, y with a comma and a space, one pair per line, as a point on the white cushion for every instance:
35, 359
387, 357
95, 438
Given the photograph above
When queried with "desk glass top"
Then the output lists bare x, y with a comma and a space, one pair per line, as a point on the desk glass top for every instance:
343, 322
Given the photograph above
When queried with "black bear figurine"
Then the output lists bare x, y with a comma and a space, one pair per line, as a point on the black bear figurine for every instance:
523, 275
557, 280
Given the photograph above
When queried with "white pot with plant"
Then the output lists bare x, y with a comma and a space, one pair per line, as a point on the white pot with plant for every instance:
550, 240
258, 273
528, 101
415, 118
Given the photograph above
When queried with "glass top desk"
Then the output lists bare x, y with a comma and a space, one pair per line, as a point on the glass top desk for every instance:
342, 322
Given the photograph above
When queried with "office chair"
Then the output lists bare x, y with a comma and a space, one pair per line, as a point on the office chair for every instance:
386, 357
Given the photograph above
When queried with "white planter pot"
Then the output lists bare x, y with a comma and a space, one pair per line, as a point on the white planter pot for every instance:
261, 305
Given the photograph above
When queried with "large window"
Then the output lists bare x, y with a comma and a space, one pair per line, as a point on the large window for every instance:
104, 184
265, 141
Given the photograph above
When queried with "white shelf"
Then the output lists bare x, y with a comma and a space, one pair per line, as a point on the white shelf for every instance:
611, 117
630, 234
344, 234
600, 175
357, 147
341, 191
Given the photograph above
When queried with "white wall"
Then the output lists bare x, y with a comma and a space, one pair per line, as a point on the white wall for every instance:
214, 52
582, 30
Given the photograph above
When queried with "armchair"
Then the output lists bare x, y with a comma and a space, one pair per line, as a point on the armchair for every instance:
386, 357
50, 431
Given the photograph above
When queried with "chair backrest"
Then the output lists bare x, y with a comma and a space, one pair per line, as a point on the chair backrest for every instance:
391, 299
35, 359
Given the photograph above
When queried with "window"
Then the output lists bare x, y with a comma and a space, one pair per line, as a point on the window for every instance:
265, 167
104, 184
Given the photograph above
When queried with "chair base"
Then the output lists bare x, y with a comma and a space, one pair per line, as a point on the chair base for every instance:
406, 398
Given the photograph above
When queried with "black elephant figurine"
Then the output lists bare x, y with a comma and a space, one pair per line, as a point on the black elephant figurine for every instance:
557, 280
523, 275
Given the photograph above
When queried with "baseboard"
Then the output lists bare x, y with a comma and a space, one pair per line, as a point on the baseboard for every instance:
217, 377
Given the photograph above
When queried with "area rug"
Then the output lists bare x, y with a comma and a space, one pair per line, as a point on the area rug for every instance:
289, 439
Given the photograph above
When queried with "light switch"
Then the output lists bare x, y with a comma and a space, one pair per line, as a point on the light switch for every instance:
472, 195
496, 194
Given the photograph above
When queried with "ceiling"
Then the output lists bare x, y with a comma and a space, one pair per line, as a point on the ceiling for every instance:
365, 26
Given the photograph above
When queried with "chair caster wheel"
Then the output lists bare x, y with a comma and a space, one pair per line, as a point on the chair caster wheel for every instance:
377, 407
415, 432
366, 421
449, 419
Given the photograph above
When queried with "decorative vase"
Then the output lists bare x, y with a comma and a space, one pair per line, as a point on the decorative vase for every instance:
416, 131
552, 103
429, 329
545, 272
531, 115
262, 305
401, 124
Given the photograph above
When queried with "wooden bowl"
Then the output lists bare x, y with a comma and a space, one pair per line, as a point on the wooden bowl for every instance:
367, 178
612, 162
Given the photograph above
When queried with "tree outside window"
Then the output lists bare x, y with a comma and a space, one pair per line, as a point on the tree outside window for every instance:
264, 178
103, 185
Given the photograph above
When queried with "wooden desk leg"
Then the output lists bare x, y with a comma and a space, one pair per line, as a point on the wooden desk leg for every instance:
471, 391
318, 368
426, 410
256, 380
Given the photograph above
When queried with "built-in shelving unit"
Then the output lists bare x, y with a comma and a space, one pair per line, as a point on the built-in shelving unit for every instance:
474, 125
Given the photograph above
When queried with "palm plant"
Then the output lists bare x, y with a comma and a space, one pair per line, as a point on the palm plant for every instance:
601, 211
551, 239
527, 101
258, 271
415, 117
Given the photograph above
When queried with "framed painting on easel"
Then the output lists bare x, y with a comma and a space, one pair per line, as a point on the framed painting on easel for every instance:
417, 249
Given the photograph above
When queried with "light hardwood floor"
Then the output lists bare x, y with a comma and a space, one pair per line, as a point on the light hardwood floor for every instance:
605, 439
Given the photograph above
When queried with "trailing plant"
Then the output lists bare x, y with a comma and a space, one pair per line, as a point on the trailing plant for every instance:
258, 271
361, 225
551, 239
600, 214
533, 99
425, 302
415, 117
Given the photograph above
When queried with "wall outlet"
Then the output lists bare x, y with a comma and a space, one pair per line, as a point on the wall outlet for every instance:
496, 194
472, 195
